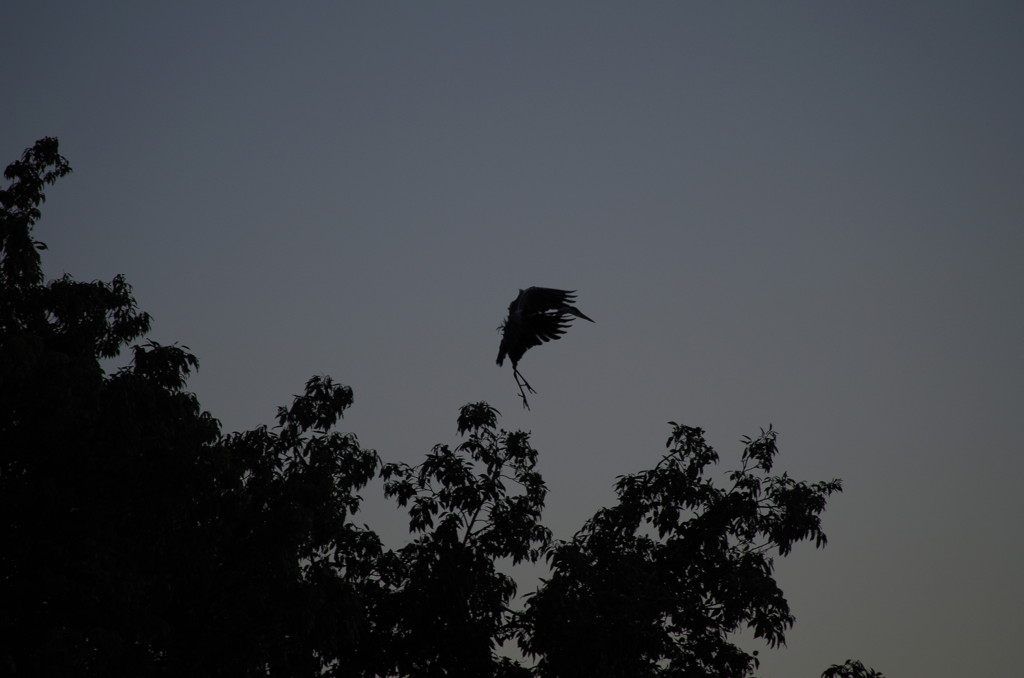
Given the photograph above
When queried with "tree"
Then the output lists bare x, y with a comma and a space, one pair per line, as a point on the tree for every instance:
138, 539
655, 584
851, 668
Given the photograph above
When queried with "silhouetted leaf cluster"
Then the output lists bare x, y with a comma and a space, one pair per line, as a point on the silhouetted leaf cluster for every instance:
137, 539
851, 668
655, 584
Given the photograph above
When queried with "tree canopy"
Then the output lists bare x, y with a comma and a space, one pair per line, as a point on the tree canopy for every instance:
139, 539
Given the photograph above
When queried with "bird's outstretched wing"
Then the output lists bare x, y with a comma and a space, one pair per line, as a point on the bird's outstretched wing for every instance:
543, 299
538, 299
537, 315
519, 337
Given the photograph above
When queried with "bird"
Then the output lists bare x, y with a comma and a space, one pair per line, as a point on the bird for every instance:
536, 315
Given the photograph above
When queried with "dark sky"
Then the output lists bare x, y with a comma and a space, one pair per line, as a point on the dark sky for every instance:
806, 214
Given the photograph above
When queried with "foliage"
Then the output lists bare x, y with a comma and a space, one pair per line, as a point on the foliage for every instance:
450, 597
140, 540
655, 584
851, 668
137, 539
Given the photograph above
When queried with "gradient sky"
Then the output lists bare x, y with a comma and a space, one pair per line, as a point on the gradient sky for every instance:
805, 214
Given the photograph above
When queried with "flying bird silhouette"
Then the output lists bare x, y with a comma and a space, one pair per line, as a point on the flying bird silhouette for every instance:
537, 315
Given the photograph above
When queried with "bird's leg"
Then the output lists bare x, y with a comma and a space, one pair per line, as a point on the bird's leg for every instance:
526, 403
525, 383
521, 382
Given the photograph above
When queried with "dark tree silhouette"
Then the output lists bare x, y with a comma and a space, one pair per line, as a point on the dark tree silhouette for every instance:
137, 539
851, 668
654, 585
536, 315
